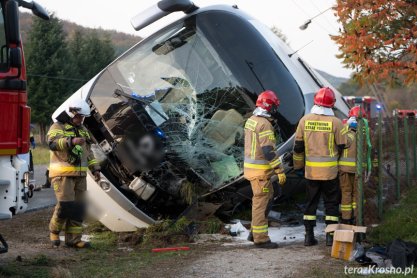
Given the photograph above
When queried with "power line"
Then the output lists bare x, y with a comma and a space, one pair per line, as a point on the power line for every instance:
325, 17
302, 9
56, 77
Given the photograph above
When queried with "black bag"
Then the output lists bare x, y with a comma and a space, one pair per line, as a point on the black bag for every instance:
403, 254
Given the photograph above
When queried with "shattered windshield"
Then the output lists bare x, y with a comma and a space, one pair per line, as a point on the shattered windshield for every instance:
181, 80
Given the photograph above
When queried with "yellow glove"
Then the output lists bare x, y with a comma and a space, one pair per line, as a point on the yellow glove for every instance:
282, 178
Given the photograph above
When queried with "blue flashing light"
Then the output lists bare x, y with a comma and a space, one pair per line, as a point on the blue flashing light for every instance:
378, 107
160, 133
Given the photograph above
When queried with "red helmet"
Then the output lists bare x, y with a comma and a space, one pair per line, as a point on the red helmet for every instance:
354, 111
325, 97
266, 100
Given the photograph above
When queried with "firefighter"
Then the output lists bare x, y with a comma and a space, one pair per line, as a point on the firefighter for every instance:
261, 164
71, 156
318, 143
347, 169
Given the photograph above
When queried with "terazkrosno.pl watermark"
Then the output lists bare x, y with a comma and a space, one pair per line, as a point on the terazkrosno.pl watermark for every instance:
373, 269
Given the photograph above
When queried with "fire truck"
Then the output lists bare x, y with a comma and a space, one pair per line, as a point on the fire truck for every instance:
15, 114
370, 104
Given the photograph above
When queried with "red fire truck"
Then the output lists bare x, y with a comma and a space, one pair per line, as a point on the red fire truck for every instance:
15, 114
370, 104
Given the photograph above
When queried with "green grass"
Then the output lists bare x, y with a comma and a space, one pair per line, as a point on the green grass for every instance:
40, 155
398, 222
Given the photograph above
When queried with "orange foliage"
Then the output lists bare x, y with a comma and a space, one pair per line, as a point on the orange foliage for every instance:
379, 39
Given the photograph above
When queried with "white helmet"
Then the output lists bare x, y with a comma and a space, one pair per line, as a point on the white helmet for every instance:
78, 106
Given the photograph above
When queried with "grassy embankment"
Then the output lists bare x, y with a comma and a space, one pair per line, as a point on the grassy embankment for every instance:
40, 155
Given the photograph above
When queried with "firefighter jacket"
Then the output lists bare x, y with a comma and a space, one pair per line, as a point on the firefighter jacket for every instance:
317, 142
347, 161
64, 161
261, 158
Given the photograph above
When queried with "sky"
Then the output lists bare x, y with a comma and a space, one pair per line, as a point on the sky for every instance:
317, 47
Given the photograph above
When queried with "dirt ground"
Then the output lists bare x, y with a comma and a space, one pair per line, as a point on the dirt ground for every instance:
30, 255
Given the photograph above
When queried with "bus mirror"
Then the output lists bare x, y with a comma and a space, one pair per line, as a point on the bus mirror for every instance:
12, 19
15, 57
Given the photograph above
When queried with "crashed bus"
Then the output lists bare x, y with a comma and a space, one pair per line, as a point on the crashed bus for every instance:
168, 114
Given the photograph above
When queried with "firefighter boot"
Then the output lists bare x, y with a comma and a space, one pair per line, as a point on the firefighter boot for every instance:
79, 245
250, 236
309, 239
266, 245
55, 241
329, 239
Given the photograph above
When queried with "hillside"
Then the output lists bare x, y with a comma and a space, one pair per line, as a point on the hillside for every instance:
334, 80
121, 41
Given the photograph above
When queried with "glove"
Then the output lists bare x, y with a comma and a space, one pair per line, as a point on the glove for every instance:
77, 150
282, 178
299, 173
78, 141
353, 124
97, 175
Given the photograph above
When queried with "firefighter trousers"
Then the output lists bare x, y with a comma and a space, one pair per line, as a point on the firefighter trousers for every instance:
69, 210
349, 195
331, 198
263, 193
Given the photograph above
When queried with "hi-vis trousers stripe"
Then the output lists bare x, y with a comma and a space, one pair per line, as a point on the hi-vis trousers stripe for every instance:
310, 217
259, 229
331, 218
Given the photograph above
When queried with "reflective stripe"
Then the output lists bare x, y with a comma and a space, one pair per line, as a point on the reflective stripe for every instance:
298, 157
256, 166
353, 205
265, 189
321, 161
54, 132
74, 230
259, 229
331, 218
346, 207
331, 144
310, 217
268, 133
275, 163
321, 164
92, 162
253, 148
347, 163
67, 168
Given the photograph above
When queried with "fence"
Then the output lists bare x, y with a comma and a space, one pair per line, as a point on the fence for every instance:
393, 164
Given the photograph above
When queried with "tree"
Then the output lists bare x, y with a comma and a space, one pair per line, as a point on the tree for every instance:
89, 54
379, 39
47, 68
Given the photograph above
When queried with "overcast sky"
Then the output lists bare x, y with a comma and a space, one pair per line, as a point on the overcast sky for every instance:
287, 15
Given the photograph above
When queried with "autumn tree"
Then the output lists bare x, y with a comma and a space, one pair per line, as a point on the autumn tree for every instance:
379, 39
